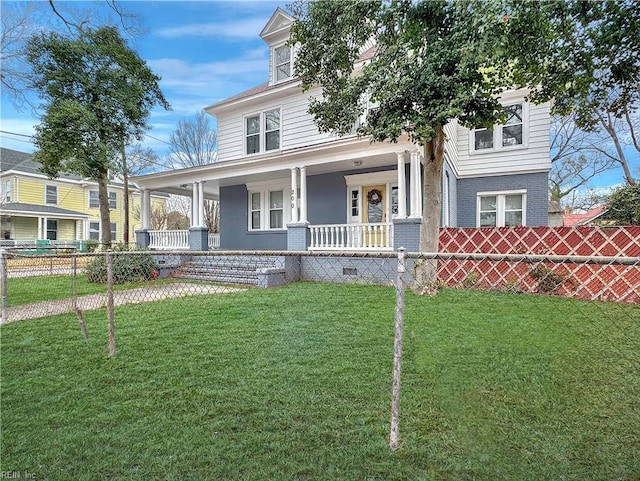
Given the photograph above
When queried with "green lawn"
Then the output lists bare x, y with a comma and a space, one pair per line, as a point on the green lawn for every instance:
294, 383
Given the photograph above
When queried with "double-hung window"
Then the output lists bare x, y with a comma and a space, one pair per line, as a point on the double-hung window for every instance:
501, 209
7, 191
262, 131
94, 230
511, 134
52, 229
51, 194
94, 201
281, 63
268, 209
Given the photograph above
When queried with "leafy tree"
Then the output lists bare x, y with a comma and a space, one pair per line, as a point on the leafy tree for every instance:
624, 205
98, 94
21, 20
434, 63
581, 54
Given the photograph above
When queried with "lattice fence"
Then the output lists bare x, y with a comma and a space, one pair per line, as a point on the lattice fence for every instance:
595, 263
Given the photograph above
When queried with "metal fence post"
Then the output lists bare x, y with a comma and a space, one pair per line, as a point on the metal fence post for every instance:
397, 352
110, 308
3, 285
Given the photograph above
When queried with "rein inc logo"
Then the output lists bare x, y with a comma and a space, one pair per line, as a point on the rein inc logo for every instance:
17, 475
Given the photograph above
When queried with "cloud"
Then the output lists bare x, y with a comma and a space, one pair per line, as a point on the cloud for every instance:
231, 31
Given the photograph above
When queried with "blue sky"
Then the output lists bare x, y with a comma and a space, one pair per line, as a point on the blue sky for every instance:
205, 51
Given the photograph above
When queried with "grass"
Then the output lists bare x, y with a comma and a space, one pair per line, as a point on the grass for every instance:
294, 383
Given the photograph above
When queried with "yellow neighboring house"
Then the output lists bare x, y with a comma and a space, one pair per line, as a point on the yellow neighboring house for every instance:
62, 211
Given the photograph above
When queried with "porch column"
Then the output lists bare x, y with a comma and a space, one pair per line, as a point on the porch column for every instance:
145, 209
194, 205
201, 220
303, 194
416, 188
294, 195
402, 187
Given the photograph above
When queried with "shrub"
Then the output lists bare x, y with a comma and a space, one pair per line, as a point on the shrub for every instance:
548, 281
130, 268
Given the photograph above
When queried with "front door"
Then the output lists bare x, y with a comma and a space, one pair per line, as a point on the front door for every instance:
374, 211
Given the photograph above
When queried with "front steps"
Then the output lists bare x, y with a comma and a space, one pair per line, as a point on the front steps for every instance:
245, 270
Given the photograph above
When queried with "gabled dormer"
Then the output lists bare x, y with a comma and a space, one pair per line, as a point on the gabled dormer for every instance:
276, 35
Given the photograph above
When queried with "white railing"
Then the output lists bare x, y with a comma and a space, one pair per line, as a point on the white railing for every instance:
169, 239
344, 237
214, 241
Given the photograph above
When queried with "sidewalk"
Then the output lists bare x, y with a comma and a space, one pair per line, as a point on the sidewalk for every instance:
120, 298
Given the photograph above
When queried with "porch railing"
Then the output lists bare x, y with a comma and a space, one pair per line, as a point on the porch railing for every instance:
341, 237
168, 239
177, 239
214, 241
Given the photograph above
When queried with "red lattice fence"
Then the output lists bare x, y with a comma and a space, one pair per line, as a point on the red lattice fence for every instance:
596, 263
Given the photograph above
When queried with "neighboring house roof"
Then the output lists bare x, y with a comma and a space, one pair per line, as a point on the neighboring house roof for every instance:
585, 218
555, 207
19, 208
23, 162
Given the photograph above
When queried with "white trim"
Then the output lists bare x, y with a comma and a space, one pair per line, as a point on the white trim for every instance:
264, 188
370, 178
500, 205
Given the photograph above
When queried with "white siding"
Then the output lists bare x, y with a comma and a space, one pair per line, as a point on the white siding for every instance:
451, 145
298, 127
532, 157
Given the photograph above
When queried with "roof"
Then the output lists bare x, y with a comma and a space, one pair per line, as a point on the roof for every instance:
18, 208
584, 218
23, 162
265, 87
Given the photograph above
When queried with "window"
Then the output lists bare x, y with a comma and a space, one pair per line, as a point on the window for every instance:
52, 229
276, 209
94, 231
51, 194
267, 207
262, 132
281, 63
501, 209
94, 201
7, 191
355, 203
511, 134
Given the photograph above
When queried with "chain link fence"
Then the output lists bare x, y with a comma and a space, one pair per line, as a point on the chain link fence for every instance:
43, 285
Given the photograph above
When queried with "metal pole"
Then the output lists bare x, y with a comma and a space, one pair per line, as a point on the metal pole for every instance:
397, 353
3, 285
110, 308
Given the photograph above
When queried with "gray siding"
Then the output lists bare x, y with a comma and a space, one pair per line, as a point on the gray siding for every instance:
537, 196
234, 233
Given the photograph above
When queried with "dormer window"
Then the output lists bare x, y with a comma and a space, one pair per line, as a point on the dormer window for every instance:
281, 63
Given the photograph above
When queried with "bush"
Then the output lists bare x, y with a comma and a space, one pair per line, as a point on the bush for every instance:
548, 281
130, 268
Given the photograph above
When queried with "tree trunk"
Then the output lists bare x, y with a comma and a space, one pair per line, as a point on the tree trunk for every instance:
426, 273
105, 216
125, 201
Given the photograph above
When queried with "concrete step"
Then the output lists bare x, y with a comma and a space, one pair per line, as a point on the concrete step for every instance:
224, 269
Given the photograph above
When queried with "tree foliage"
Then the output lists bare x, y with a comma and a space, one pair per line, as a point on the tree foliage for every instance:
624, 205
581, 54
97, 96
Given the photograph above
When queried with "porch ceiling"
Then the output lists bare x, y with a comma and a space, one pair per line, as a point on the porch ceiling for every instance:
335, 157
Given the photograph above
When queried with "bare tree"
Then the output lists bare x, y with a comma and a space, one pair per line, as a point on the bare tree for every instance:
193, 142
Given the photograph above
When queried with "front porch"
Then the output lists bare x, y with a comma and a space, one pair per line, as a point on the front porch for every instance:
357, 202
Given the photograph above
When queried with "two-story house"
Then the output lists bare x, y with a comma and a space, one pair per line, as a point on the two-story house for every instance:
62, 211
284, 185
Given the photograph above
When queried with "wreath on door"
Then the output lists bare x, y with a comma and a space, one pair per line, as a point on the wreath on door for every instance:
374, 197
